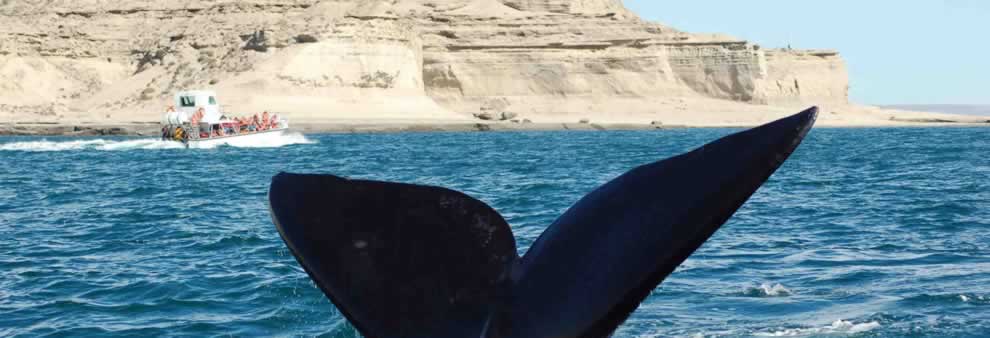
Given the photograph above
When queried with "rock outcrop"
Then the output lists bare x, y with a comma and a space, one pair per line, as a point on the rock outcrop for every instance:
78, 60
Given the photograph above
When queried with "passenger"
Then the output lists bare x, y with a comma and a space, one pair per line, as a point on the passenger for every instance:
256, 123
274, 122
265, 121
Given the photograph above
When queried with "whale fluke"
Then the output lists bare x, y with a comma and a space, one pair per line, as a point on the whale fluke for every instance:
401, 260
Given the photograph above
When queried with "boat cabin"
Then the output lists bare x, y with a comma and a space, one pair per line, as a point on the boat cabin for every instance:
189, 102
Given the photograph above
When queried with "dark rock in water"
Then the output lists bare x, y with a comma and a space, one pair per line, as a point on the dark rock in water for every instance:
585, 121
482, 127
485, 116
403, 260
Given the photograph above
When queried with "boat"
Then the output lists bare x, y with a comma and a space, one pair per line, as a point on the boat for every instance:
197, 121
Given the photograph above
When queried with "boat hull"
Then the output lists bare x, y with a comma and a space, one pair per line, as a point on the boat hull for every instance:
242, 140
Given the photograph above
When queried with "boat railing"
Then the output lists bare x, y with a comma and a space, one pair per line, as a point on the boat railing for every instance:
205, 130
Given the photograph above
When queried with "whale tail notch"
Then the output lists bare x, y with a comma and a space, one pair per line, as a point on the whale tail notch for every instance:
402, 260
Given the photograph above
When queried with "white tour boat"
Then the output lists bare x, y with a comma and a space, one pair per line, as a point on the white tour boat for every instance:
197, 121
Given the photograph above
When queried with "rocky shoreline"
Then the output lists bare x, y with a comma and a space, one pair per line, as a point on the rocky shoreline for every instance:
151, 129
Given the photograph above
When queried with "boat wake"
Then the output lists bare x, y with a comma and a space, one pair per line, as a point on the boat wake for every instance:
144, 144
269, 141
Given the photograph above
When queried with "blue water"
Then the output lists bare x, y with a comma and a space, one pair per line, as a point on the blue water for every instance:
864, 232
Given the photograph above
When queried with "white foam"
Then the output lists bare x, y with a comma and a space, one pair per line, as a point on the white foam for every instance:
839, 327
971, 298
775, 290
97, 144
768, 290
138, 144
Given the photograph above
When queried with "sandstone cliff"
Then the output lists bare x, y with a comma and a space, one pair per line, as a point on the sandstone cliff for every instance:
80, 60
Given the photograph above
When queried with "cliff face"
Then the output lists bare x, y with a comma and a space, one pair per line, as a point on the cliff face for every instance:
343, 59
796, 77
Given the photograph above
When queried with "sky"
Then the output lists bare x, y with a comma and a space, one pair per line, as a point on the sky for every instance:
898, 51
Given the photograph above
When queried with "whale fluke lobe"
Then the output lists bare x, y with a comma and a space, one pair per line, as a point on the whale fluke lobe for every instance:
615, 245
398, 260
402, 260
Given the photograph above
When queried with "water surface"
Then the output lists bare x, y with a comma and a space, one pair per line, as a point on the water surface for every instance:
864, 232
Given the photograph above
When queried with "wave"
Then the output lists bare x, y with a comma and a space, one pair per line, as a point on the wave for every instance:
146, 144
839, 327
767, 290
974, 299
943, 299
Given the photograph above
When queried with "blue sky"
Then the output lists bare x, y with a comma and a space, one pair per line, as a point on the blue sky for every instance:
898, 51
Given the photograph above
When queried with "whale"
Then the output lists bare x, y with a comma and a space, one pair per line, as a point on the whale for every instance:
408, 260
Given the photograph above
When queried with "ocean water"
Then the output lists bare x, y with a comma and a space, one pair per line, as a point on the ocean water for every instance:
862, 233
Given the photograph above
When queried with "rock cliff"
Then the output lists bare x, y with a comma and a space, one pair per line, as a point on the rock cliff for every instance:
79, 60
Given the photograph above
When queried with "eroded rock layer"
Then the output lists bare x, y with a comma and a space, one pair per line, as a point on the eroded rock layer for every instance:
350, 59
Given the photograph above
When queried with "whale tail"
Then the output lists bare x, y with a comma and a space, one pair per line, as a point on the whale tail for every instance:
401, 260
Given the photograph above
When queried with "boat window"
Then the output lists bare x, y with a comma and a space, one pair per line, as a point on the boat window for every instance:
213, 101
187, 101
